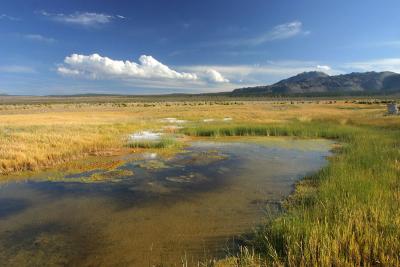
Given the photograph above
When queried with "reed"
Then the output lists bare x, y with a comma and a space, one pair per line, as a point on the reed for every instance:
347, 214
294, 128
163, 143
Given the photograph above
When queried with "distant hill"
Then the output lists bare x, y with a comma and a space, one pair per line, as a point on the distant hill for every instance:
315, 82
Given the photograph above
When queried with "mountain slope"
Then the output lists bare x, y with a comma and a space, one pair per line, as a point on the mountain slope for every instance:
319, 82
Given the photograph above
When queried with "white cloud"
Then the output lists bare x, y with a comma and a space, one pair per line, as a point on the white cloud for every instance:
82, 18
66, 71
283, 31
386, 64
7, 17
150, 73
98, 67
323, 67
16, 69
261, 74
214, 76
39, 38
279, 32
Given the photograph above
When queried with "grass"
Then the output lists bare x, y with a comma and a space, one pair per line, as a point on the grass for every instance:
38, 136
163, 143
345, 215
295, 128
36, 147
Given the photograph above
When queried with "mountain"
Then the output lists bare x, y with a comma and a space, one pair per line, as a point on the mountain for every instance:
315, 82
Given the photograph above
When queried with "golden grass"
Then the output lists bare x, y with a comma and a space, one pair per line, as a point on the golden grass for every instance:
38, 136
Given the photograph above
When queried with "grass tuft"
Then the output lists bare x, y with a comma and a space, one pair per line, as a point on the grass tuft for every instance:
165, 142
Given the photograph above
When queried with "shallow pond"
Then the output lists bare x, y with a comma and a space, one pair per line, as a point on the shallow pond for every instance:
151, 209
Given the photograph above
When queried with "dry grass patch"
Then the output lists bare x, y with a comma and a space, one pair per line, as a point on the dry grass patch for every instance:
38, 136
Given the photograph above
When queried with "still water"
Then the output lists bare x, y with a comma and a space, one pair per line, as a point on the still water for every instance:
152, 209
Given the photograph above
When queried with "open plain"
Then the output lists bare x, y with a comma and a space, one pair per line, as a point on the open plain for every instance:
345, 214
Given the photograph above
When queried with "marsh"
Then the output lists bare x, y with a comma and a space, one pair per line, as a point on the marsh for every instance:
153, 209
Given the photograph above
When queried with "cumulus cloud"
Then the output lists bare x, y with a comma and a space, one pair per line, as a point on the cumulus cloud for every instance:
68, 72
261, 74
148, 72
87, 19
99, 67
214, 76
39, 38
323, 67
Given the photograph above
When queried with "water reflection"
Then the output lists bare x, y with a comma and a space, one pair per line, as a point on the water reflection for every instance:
10, 206
152, 209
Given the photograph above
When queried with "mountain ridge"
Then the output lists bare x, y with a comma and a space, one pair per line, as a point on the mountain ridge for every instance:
320, 82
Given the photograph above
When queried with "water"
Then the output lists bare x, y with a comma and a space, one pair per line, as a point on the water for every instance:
152, 209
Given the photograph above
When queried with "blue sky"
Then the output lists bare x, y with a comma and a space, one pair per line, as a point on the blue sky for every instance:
152, 47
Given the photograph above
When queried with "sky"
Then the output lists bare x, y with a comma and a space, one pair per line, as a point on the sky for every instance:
59, 47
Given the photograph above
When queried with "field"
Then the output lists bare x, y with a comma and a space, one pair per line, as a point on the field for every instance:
347, 214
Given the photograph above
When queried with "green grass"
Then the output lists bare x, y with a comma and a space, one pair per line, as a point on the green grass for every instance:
299, 129
347, 214
165, 142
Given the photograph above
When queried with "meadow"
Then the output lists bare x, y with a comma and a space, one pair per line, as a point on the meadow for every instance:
346, 214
